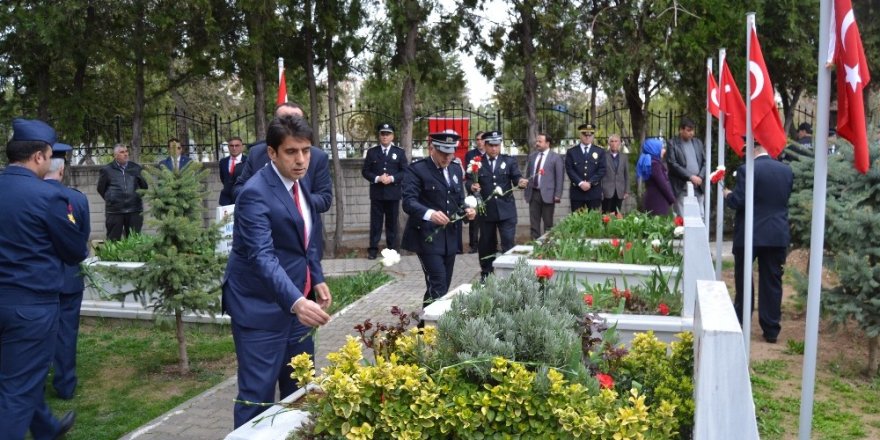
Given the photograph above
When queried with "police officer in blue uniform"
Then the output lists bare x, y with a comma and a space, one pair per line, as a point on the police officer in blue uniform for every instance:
499, 173
433, 194
64, 362
38, 235
585, 166
383, 168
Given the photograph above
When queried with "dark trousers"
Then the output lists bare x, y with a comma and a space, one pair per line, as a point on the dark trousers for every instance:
262, 357
489, 241
383, 211
770, 268
121, 225
587, 204
64, 361
27, 340
438, 275
474, 233
612, 204
540, 212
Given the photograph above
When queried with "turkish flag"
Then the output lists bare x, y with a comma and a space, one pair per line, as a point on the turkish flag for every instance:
852, 76
712, 94
731, 103
282, 88
766, 125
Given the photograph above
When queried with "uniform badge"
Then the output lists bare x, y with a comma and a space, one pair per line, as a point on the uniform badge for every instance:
70, 213
503, 165
595, 155
455, 179
394, 156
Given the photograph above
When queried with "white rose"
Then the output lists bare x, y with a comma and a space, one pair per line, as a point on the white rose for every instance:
655, 242
499, 191
721, 168
390, 257
470, 202
679, 231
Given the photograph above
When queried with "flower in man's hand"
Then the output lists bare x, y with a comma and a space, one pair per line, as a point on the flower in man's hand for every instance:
717, 175
499, 191
390, 257
471, 202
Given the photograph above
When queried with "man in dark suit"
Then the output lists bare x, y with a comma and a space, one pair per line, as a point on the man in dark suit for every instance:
544, 173
433, 195
585, 166
686, 161
770, 240
615, 184
230, 168
176, 160
383, 168
499, 174
274, 269
39, 233
474, 226
317, 176
64, 361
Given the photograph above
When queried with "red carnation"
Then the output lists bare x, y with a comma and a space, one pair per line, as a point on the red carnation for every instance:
588, 299
663, 309
475, 168
477, 159
605, 380
544, 272
606, 219
716, 176
615, 242
679, 220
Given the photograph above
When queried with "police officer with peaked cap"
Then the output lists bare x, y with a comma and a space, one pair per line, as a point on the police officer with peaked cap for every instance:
585, 166
500, 172
433, 194
383, 167
38, 235
64, 361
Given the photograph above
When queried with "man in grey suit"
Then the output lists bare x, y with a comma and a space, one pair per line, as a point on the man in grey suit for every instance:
615, 184
544, 190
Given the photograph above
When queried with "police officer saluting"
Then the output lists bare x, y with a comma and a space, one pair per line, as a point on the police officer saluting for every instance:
585, 166
383, 168
39, 233
433, 193
498, 175
64, 361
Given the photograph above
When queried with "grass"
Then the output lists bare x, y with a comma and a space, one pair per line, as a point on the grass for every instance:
127, 371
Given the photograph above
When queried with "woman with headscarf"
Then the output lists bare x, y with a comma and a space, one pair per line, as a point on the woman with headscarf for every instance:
651, 169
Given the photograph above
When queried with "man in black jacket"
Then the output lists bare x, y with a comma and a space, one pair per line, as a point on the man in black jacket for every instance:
118, 185
686, 160
383, 168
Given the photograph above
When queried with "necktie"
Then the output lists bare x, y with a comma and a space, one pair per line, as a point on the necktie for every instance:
295, 190
492, 164
538, 170
232, 167
176, 164
446, 176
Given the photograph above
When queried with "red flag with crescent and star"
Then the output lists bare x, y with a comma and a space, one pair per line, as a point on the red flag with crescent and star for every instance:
766, 125
845, 50
731, 103
712, 94
282, 88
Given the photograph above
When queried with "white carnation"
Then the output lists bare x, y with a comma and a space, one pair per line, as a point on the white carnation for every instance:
679, 231
470, 202
655, 242
499, 191
390, 257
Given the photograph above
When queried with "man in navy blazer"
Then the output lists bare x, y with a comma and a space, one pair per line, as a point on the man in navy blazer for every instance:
317, 176
176, 160
433, 194
230, 168
383, 167
585, 166
274, 270
770, 239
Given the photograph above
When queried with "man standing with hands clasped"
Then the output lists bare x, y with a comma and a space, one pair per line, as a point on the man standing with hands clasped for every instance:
686, 160
544, 191
383, 168
274, 288
585, 166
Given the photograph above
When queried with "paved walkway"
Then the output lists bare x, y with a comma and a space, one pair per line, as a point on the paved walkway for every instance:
208, 416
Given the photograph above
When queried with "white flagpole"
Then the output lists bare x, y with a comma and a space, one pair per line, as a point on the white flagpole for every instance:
817, 229
707, 188
748, 252
719, 209
280, 69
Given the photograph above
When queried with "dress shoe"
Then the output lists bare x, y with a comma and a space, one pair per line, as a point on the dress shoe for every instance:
65, 424
770, 339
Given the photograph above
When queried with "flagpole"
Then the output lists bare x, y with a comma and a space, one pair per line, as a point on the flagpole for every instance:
280, 68
748, 252
707, 186
817, 228
719, 209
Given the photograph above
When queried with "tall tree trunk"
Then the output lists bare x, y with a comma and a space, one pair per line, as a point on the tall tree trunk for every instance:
408, 94
182, 355
634, 103
254, 22
338, 181
181, 122
43, 92
789, 103
530, 81
873, 357
137, 119
309, 65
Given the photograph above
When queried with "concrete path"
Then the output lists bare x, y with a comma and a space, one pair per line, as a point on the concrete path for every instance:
208, 416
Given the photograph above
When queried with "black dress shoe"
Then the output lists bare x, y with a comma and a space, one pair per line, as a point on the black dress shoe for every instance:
770, 339
65, 424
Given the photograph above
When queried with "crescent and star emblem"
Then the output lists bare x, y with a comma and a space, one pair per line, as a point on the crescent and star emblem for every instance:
758, 74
